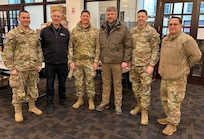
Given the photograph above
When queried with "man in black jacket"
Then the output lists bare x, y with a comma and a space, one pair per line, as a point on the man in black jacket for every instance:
54, 42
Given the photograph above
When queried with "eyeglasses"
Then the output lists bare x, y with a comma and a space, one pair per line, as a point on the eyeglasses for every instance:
173, 24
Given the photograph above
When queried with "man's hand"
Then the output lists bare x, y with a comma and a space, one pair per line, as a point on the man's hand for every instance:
39, 68
14, 72
124, 65
150, 70
95, 65
72, 65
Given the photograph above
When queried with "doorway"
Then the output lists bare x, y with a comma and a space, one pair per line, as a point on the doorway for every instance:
8, 20
192, 14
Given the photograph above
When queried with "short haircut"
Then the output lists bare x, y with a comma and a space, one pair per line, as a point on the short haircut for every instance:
85, 11
22, 11
55, 10
111, 8
142, 11
175, 17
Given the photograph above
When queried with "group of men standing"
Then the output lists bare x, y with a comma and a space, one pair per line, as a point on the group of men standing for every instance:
116, 47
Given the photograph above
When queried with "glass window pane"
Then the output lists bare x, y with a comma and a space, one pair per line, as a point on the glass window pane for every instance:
98, 11
164, 31
36, 16
13, 16
168, 8
14, 1
186, 30
151, 19
150, 6
165, 21
33, 1
178, 8
188, 7
186, 20
129, 9
54, 0
201, 21
29, 1
202, 7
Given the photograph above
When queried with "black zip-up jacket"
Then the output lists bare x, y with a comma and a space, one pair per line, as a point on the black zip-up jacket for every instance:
54, 43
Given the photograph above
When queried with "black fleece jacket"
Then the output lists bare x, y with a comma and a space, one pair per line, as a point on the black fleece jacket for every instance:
54, 43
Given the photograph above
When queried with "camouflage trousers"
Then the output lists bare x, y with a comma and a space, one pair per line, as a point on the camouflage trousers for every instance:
84, 75
24, 87
172, 93
141, 85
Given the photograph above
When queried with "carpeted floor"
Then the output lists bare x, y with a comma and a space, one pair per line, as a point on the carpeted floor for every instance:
68, 123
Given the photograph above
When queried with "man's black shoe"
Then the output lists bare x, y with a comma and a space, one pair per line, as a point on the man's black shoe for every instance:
63, 103
50, 109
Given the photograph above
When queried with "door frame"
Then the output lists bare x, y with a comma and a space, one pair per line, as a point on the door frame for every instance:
193, 32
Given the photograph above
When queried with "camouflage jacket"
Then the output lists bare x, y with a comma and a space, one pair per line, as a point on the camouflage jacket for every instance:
145, 46
22, 51
84, 43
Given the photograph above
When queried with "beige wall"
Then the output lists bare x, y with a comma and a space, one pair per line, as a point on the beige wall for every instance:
2, 2
74, 11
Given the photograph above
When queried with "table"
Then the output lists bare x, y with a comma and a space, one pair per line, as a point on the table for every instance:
4, 71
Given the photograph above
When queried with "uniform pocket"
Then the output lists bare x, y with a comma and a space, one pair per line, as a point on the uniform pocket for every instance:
14, 81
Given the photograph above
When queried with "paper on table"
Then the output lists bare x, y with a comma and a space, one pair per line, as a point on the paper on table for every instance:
200, 34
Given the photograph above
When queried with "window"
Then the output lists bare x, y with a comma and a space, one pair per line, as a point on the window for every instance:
29, 1
202, 7
14, 1
190, 7
167, 8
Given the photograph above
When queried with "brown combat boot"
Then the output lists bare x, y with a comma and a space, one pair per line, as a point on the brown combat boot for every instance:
144, 117
136, 110
169, 129
91, 103
18, 113
79, 102
162, 121
34, 109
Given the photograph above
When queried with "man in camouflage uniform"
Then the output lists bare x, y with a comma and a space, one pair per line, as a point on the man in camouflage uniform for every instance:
83, 58
179, 52
23, 57
144, 57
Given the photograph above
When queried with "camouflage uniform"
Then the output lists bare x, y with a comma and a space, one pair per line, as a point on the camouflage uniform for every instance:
145, 53
179, 53
23, 53
84, 51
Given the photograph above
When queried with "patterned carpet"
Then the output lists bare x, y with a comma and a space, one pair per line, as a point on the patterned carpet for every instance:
68, 123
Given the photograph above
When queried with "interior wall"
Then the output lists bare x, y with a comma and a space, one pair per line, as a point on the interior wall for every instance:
73, 12
2, 2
